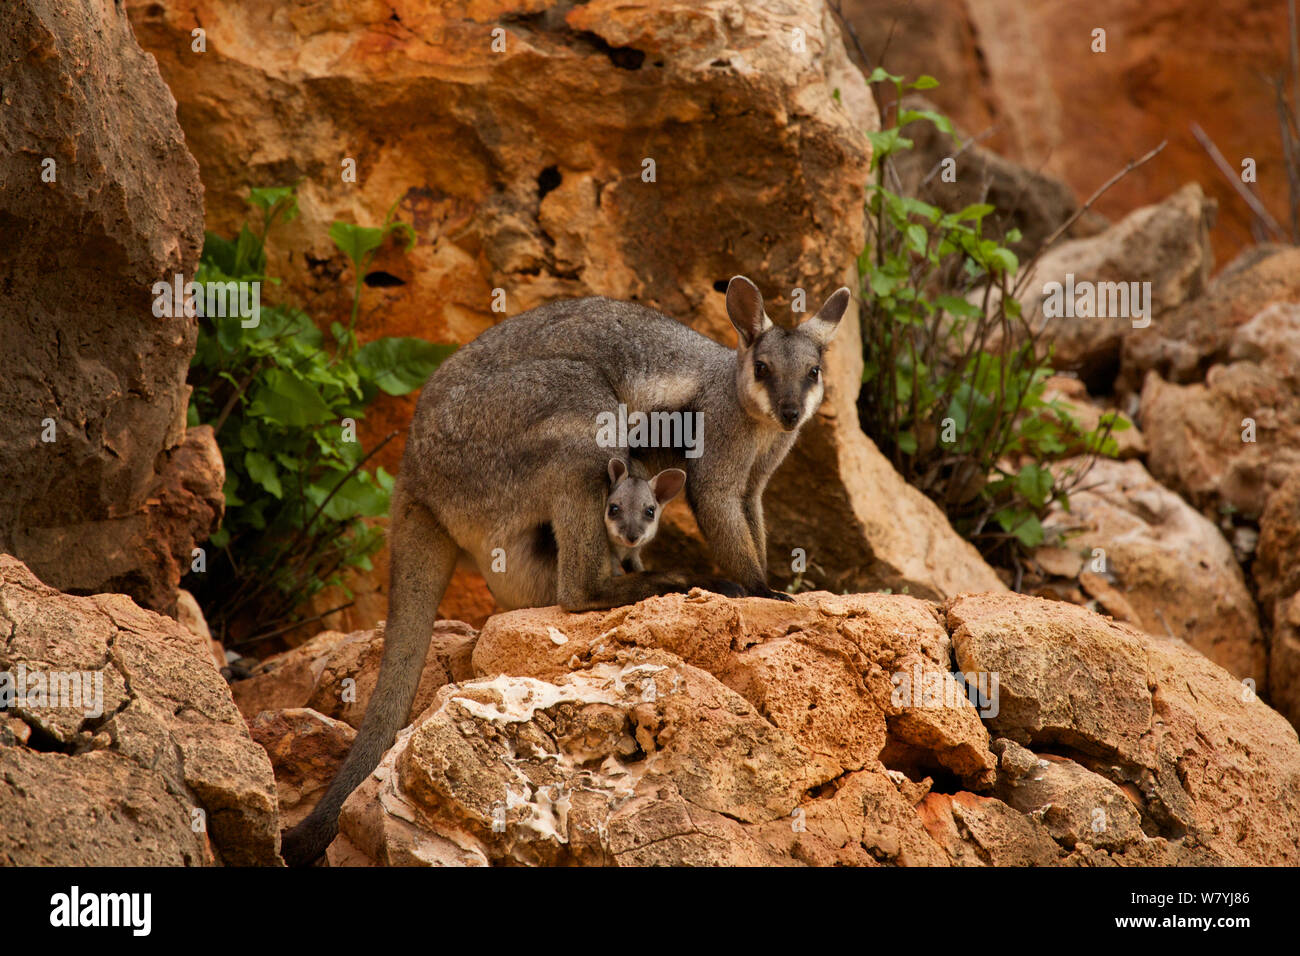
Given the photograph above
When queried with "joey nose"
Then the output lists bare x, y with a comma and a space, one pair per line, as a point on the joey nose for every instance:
789, 413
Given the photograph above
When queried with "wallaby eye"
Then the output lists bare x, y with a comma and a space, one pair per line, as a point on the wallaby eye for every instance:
761, 370
650, 512
815, 372
614, 510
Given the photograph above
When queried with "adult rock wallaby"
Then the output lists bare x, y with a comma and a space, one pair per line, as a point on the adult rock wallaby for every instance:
634, 507
503, 463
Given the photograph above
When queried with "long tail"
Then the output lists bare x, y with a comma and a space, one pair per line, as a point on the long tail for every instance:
422, 558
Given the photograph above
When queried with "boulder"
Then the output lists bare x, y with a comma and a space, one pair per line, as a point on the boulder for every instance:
841, 729
1183, 345
306, 750
103, 488
140, 758
334, 674
1014, 69
1165, 244
1229, 443
1209, 764
145, 553
738, 147
1148, 557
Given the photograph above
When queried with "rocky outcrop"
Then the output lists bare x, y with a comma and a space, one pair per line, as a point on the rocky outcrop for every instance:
1203, 759
1147, 557
1186, 342
121, 745
334, 674
1230, 443
145, 553
738, 146
696, 729
103, 491
1166, 245
306, 750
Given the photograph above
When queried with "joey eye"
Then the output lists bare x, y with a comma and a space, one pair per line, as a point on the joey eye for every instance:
649, 512
815, 372
614, 511
761, 371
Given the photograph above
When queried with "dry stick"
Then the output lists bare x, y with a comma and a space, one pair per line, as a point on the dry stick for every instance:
1290, 156
290, 627
1293, 53
1065, 226
1234, 180
230, 403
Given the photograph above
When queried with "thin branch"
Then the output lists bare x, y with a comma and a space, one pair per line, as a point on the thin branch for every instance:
292, 627
1234, 180
1065, 226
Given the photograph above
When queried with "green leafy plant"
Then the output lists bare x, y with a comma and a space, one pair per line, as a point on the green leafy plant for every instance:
284, 401
954, 377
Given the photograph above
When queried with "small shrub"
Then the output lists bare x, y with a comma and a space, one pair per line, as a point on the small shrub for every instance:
954, 377
284, 400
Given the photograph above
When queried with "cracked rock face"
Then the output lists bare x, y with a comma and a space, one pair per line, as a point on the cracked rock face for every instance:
151, 765
838, 730
102, 489
334, 674
1147, 557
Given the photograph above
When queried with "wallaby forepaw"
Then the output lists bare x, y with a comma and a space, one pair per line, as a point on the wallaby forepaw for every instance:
766, 592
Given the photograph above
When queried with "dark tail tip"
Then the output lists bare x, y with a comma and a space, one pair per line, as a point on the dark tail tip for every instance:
306, 843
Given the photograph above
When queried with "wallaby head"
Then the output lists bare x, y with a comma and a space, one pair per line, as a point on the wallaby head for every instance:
779, 371
634, 504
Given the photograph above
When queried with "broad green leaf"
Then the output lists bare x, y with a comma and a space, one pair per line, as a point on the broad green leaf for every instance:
282, 397
262, 471
400, 365
356, 242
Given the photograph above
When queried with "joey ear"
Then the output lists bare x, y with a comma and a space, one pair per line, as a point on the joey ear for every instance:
745, 309
617, 469
821, 327
667, 484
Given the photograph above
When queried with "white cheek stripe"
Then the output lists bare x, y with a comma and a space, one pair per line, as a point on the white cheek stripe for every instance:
811, 401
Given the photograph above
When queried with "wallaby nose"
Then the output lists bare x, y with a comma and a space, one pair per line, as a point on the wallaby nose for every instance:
789, 413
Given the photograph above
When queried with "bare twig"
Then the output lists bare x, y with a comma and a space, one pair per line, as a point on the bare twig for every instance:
1065, 226
292, 627
1234, 180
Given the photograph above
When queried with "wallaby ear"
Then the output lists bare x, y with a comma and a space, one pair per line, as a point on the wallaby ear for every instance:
617, 469
745, 308
667, 484
821, 327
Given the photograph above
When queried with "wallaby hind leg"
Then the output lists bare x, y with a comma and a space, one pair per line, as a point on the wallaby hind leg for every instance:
422, 558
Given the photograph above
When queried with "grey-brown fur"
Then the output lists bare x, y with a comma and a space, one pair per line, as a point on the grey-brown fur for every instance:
502, 455
634, 507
